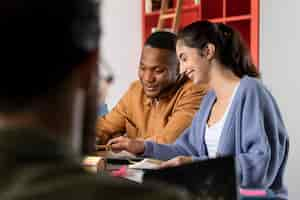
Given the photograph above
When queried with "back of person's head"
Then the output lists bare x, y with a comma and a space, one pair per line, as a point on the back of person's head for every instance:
162, 40
40, 44
231, 50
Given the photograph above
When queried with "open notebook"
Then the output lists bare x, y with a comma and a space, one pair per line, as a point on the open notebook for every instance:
145, 164
113, 160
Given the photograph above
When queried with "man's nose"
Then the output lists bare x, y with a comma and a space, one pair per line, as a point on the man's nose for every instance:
149, 76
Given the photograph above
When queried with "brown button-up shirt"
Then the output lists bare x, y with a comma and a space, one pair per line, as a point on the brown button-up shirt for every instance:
161, 120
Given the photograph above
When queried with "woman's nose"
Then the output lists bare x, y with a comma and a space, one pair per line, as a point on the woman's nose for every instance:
182, 68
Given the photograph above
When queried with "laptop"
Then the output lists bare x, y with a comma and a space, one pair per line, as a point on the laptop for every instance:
207, 179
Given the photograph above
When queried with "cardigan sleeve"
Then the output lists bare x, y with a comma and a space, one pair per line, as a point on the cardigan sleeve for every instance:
169, 151
185, 145
264, 142
189, 143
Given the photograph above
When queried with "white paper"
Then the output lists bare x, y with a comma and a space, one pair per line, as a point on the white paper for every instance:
121, 154
91, 160
135, 175
90, 163
146, 164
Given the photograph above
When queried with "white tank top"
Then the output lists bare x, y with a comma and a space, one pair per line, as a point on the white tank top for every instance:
213, 133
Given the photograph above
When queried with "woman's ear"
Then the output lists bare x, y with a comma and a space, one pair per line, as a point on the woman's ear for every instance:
209, 51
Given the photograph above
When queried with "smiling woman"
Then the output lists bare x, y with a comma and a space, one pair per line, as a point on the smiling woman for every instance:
191, 64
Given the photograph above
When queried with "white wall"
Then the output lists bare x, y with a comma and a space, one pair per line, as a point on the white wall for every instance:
280, 67
121, 43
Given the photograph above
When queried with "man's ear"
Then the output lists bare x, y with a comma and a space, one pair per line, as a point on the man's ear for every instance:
88, 69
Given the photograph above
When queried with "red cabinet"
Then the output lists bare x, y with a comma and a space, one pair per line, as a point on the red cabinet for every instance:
241, 14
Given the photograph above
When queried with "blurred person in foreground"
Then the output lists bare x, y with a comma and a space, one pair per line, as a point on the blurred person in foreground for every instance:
48, 104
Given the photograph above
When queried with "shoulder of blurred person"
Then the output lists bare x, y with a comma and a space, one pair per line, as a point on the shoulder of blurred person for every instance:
61, 180
38, 167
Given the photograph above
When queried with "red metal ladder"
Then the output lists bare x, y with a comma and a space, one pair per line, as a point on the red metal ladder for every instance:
164, 14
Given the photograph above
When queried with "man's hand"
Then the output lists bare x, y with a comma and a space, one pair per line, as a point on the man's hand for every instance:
134, 146
177, 161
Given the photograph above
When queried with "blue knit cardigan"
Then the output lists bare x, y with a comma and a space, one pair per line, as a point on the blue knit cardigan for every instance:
253, 132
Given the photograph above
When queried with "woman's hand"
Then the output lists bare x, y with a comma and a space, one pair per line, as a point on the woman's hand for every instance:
177, 161
134, 146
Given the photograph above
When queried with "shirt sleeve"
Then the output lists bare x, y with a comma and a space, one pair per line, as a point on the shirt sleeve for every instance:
264, 142
184, 111
113, 122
